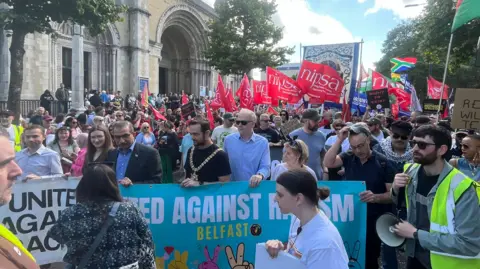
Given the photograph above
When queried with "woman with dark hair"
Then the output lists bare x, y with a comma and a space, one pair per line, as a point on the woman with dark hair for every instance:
127, 242
98, 145
284, 115
72, 123
59, 120
65, 146
313, 237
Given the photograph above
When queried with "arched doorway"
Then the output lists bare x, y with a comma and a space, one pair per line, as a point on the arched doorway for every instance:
182, 67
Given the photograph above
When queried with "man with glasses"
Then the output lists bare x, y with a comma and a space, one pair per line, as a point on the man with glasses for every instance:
363, 164
442, 227
248, 153
314, 139
268, 132
220, 132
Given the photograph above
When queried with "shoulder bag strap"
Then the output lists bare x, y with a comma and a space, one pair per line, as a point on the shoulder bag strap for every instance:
101, 234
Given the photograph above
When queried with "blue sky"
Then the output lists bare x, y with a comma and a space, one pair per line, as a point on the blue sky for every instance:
313, 22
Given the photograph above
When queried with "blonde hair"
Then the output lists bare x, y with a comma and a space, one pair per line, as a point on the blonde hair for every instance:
300, 148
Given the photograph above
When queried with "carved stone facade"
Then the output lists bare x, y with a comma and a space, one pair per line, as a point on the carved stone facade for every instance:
162, 40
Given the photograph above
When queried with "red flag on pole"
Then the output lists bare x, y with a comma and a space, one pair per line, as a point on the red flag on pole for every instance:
231, 101
260, 94
282, 87
270, 110
246, 96
224, 95
156, 114
320, 81
210, 116
435, 89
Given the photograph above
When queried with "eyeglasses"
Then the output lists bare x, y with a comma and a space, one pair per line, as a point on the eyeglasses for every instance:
242, 122
420, 144
397, 136
362, 145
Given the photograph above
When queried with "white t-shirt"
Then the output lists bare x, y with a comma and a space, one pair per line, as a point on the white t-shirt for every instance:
379, 137
280, 168
220, 132
319, 244
332, 139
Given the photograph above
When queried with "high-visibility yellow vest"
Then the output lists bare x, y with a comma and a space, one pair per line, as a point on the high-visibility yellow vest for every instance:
442, 218
18, 130
9, 236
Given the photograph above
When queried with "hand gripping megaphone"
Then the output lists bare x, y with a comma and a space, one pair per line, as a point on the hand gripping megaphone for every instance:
386, 223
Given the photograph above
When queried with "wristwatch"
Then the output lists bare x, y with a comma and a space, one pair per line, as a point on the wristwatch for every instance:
415, 235
259, 174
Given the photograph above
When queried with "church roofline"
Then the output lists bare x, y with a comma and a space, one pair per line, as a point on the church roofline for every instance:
205, 8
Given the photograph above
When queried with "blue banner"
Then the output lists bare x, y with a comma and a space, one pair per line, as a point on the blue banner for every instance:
359, 102
204, 227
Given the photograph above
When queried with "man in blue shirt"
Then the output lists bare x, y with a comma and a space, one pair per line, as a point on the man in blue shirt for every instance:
314, 139
248, 153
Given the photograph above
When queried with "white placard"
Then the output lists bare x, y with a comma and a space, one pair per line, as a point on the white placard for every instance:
283, 261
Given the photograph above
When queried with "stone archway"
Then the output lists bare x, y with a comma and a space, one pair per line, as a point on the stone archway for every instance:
182, 66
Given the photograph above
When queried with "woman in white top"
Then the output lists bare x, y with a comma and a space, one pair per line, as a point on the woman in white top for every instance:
315, 241
295, 155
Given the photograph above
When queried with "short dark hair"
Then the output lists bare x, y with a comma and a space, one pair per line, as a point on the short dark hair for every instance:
98, 109
204, 125
219, 120
98, 184
123, 124
402, 126
35, 127
301, 181
439, 135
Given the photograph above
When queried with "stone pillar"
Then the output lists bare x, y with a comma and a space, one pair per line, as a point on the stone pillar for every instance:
4, 64
139, 43
77, 68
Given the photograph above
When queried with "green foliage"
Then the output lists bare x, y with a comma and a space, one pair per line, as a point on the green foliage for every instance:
244, 37
427, 38
294, 76
35, 16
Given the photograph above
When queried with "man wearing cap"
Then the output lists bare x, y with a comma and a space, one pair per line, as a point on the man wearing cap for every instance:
220, 132
375, 127
314, 139
364, 164
14, 131
47, 122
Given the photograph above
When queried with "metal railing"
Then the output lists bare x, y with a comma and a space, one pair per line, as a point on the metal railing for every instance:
26, 106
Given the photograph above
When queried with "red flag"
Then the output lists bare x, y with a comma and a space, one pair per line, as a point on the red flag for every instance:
404, 99
156, 114
270, 110
363, 75
246, 96
320, 81
260, 94
231, 100
379, 81
434, 89
145, 95
395, 110
210, 116
185, 99
217, 101
282, 87
346, 112
223, 95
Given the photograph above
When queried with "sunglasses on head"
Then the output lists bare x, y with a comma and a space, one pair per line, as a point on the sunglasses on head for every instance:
242, 122
420, 144
397, 136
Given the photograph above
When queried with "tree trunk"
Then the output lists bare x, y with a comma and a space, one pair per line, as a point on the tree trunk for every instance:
17, 50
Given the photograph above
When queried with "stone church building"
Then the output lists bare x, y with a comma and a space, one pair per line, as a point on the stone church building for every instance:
159, 41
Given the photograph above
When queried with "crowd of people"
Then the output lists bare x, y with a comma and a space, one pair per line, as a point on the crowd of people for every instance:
118, 141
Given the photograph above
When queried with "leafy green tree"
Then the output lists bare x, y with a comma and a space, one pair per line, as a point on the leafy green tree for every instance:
244, 37
26, 16
427, 38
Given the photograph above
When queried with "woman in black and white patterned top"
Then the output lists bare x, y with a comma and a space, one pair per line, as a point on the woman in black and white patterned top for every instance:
128, 242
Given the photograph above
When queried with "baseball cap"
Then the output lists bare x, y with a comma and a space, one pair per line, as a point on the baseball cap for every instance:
374, 121
228, 116
47, 118
311, 114
7, 113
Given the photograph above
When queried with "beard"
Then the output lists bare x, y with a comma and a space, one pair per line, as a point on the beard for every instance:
425, 160
313, 128
199, 143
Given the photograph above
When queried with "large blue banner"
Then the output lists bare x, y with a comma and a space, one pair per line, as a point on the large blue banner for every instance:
217, 226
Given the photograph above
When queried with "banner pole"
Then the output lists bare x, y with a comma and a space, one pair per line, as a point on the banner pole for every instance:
444, 76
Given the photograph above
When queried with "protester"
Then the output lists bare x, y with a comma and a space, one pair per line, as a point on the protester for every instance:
248, 153
284, 115
268, 132
221, 132
375, 127
13, 255
314, 139
313, 237
36, 160
14, 131
77, 166
187, 143
66, 147
168, 143
126, 242
146, 137
469, 164
363, 164
135, 163
442, 227
99, 144
339, 172
206, 162
295, 156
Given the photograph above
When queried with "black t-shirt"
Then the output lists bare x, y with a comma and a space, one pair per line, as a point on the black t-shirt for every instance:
218, 166
376, 172
270, 134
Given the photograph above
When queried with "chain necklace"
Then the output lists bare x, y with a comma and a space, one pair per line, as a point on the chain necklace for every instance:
473, 168
196, 169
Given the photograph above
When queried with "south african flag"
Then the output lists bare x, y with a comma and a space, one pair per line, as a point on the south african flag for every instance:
403, 64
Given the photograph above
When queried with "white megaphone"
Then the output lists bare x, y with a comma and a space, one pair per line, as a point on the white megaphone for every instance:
384, 226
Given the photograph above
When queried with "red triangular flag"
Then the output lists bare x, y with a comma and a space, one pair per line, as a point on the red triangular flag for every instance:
184, 99
270, 110
245, 93
210, 116
156, 114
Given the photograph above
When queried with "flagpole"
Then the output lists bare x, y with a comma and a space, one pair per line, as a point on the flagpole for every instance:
300, 53
444, 76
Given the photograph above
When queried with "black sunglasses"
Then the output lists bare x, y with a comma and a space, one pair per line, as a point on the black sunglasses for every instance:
397, 136
242, 122
421, 145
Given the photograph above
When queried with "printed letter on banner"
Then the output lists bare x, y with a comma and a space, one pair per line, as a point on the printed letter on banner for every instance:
320, 82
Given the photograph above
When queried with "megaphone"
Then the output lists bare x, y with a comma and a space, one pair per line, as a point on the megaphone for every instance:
384, 226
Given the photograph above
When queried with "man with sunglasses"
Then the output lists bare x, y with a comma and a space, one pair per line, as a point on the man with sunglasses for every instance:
220, 132
248, 153
268, 132
363, 164
442, 227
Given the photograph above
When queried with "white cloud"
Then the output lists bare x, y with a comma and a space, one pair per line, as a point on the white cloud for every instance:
362, 1
398, 7
371, 53
209, 2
